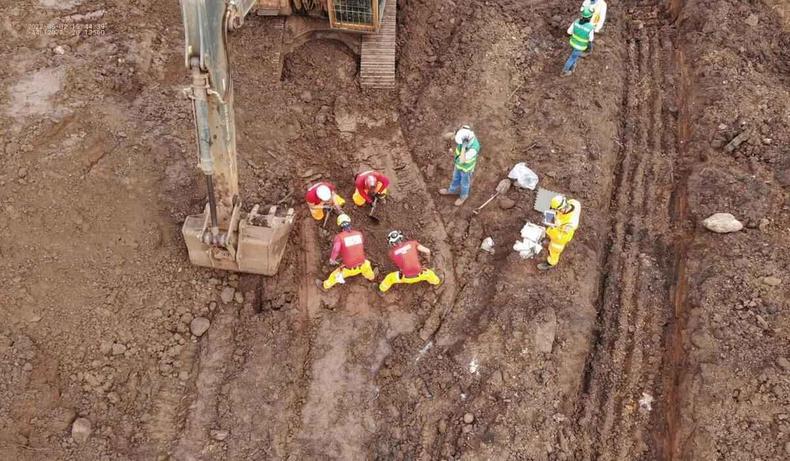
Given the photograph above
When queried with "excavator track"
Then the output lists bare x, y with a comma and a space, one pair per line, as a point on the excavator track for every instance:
377, 68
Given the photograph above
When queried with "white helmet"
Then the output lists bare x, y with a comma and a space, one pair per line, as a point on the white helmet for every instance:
370, 181
394, 237
464, 135
324, 193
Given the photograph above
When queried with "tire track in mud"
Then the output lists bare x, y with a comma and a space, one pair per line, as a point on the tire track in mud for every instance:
635, 304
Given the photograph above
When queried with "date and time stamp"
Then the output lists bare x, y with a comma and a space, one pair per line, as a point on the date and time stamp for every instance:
64, 29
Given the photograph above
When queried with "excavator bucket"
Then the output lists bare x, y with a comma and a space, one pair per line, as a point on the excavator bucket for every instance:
256, 244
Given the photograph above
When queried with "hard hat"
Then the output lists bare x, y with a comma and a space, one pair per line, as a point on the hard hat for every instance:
464, 135
394, 237
343, 220
371, 181
324, 193
559, 202
587, 13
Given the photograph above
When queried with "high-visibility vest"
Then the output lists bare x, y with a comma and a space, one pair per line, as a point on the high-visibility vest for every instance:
470, 164
406, 258
352, 248
580, 39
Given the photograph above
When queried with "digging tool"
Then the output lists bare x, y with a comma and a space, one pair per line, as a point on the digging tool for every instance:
327, 213
375, 219
501, 188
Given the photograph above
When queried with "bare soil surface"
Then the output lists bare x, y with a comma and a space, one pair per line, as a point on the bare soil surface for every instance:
654, 338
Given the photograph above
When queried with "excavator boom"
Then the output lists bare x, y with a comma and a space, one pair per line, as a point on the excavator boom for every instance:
223, 236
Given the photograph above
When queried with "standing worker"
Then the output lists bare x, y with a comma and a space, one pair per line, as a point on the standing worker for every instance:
598, 8
560, 232
467, 149
322, 195
369, 185
581, 32
404, 255
349, 245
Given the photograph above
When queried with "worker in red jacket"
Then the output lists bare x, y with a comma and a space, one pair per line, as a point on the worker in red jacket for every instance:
349, 245
369, 185
405, 255
320, 196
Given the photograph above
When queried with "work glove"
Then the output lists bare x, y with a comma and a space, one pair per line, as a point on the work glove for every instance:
333, 262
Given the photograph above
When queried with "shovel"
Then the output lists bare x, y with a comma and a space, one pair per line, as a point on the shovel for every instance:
375, 219
327, 213
501, 188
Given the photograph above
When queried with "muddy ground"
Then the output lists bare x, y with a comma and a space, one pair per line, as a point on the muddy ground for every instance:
653, 339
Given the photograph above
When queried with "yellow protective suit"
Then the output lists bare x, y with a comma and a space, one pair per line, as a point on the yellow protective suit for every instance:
562, 232
340, 274
394, 278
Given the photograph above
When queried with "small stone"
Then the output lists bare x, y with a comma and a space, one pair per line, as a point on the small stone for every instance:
59, 50
118, 349
239, 297
186, 318
227, 294
506, 203
783, 363
199, 326
183, 375
469, 418
219, 435
22, 172
306, 96
752, 20
442, 426
763, 225
787, 448
81, 430
546, 330
722, 223
212, 306
467, 429
105, 348
771, 281
28, 366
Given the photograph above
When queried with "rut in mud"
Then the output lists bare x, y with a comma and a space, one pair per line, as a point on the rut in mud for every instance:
623, 377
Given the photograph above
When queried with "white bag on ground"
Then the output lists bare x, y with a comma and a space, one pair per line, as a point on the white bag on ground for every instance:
524, 177
530, 246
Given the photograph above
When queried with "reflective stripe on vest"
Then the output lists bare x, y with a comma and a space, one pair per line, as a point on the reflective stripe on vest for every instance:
580, 39
469, 165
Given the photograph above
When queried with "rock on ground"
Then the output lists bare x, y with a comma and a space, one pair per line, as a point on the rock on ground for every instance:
199, 326
81, 430
227, 294
722, 223
545, 330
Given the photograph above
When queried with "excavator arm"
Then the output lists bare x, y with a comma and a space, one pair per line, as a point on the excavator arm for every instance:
223, 236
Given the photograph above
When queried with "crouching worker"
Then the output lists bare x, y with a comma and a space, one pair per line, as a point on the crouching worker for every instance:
349, 246
368, 186
404, 255
322, 196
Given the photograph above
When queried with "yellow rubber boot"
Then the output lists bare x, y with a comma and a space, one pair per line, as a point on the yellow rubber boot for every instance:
332, 279
391, 279
430, 276
317, 212
358, 199
367, 271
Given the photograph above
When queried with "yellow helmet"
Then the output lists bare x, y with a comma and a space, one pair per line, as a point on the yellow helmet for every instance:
343, 220
559, 202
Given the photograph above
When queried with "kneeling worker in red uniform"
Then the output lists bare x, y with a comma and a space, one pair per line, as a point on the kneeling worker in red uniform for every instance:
404, 255
369, 185
320, 196
350, 246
